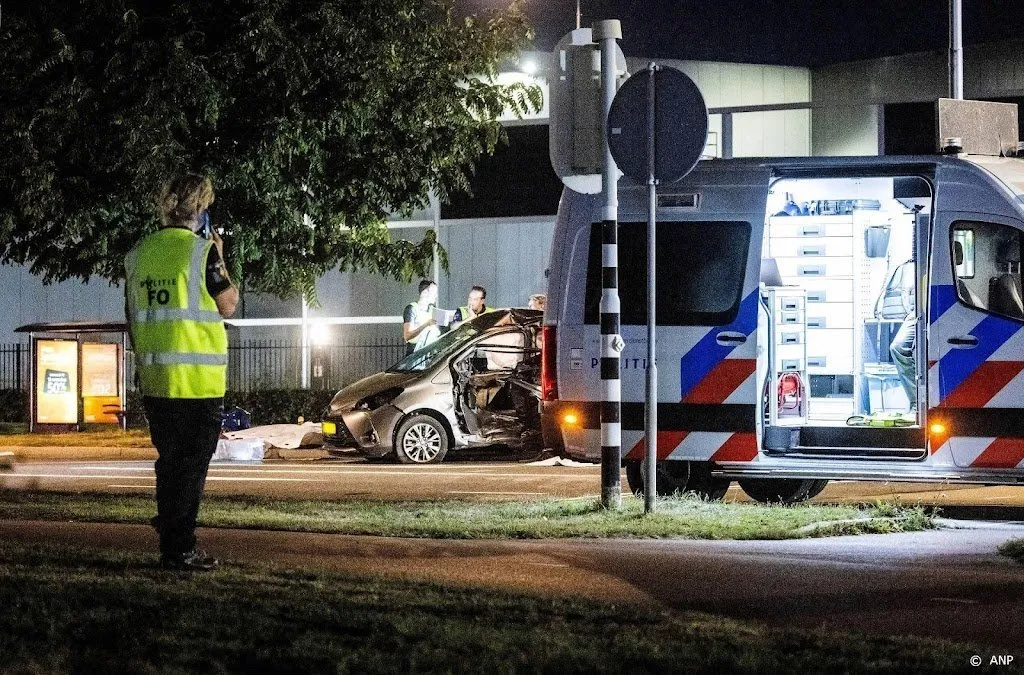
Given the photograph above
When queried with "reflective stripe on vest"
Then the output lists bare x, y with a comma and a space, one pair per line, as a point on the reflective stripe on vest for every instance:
178, 334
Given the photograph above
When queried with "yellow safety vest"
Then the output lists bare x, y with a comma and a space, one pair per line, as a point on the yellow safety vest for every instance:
464, 312
181, 347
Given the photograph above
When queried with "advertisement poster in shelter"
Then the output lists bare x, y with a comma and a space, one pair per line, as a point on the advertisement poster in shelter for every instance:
101, 395
56, 382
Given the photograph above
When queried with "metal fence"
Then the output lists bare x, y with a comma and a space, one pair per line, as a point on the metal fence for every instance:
14, 366
277, 364
258, 364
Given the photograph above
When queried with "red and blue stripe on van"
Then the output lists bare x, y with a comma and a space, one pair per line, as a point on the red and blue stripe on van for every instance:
977, 392
716, 383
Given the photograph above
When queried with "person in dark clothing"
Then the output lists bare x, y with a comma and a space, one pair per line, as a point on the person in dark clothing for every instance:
177, 294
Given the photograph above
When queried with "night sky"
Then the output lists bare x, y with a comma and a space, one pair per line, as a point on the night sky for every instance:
785, 32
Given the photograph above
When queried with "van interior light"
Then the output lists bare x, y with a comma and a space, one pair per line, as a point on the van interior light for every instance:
937, 428
571, 418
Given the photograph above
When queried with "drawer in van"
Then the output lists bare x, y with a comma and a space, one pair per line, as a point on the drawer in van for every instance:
834, 344
789, 318
789, 357
797, 270
833, 363
828, 290
811, 247
830, 315
791, 336
789, 303
794, 226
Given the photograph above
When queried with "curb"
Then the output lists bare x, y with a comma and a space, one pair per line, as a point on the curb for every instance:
97, 453
86, 453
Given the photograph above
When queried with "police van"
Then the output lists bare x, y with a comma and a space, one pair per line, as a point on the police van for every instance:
818, 318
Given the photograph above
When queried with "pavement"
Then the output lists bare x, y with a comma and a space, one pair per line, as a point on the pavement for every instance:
947, 583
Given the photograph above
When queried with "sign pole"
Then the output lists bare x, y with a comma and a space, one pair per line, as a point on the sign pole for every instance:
606, 33
651, 421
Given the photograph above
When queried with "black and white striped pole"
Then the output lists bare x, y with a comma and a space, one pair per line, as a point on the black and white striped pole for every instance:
606, 35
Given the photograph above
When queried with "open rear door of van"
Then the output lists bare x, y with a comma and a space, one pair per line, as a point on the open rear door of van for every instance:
710, 228
976, 323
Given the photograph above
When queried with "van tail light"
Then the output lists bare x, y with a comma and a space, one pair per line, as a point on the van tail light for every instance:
548, 370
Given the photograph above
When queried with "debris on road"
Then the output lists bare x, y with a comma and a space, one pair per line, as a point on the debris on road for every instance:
286, 436
560, 461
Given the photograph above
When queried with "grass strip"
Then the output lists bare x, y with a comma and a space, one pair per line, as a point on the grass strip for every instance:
107, 438
678, 517
1014, 548
78, 610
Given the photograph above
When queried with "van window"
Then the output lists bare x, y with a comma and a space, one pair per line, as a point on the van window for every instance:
986, 262
701, 266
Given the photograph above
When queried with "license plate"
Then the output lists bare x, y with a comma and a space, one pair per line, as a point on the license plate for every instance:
329, 428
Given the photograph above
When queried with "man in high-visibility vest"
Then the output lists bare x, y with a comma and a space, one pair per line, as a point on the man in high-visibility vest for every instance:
474, 307
177, 295
418, 317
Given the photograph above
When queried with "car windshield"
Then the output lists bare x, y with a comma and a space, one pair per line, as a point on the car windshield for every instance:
447, 344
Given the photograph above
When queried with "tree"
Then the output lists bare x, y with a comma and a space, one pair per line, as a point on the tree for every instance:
315, 119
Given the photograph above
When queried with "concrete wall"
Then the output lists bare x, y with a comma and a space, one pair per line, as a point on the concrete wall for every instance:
843, 131
847, 96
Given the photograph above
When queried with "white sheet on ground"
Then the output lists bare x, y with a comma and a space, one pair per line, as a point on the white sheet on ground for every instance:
287, 436
560, 461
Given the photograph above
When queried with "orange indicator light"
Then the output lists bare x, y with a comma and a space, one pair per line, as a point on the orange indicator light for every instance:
937, 428
571, 418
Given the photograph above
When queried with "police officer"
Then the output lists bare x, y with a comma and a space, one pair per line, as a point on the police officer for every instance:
177, 294
474, 307
418, 317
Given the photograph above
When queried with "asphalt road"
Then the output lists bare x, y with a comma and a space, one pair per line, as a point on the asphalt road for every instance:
486, 480
947, 584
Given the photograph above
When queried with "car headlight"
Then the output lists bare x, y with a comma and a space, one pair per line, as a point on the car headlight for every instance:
379, 399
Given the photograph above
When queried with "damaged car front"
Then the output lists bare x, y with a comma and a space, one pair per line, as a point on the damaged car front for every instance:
474, 386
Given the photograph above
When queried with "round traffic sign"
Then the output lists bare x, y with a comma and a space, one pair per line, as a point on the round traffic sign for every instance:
680, 125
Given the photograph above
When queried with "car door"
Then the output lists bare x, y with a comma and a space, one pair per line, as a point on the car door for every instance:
976, 322
484, 385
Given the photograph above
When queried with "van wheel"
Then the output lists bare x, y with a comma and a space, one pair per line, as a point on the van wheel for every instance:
672, 477
677, 476
421, 439
781, 490
704, 485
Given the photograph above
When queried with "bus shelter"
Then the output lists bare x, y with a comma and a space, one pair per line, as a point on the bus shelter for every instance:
77, 375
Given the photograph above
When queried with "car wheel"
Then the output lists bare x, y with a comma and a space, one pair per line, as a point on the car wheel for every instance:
421, 439
781, 490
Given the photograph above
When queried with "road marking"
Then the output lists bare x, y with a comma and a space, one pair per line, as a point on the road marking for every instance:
460, 492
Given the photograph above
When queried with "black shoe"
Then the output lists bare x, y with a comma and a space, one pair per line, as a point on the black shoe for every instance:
193, 561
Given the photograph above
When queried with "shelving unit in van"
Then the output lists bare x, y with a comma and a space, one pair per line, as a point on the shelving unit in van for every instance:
824, 255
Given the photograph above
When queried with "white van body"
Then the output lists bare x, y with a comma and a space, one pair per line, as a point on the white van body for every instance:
735, 235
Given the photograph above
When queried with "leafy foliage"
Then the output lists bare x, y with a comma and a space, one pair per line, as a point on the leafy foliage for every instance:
315, 119
280, 406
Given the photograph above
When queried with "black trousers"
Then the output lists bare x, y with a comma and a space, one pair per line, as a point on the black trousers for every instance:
185, 433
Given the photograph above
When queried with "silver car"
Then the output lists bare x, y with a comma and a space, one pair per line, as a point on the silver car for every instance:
476, 386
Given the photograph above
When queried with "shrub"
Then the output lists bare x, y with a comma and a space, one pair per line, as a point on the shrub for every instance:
14, 405
280, 406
